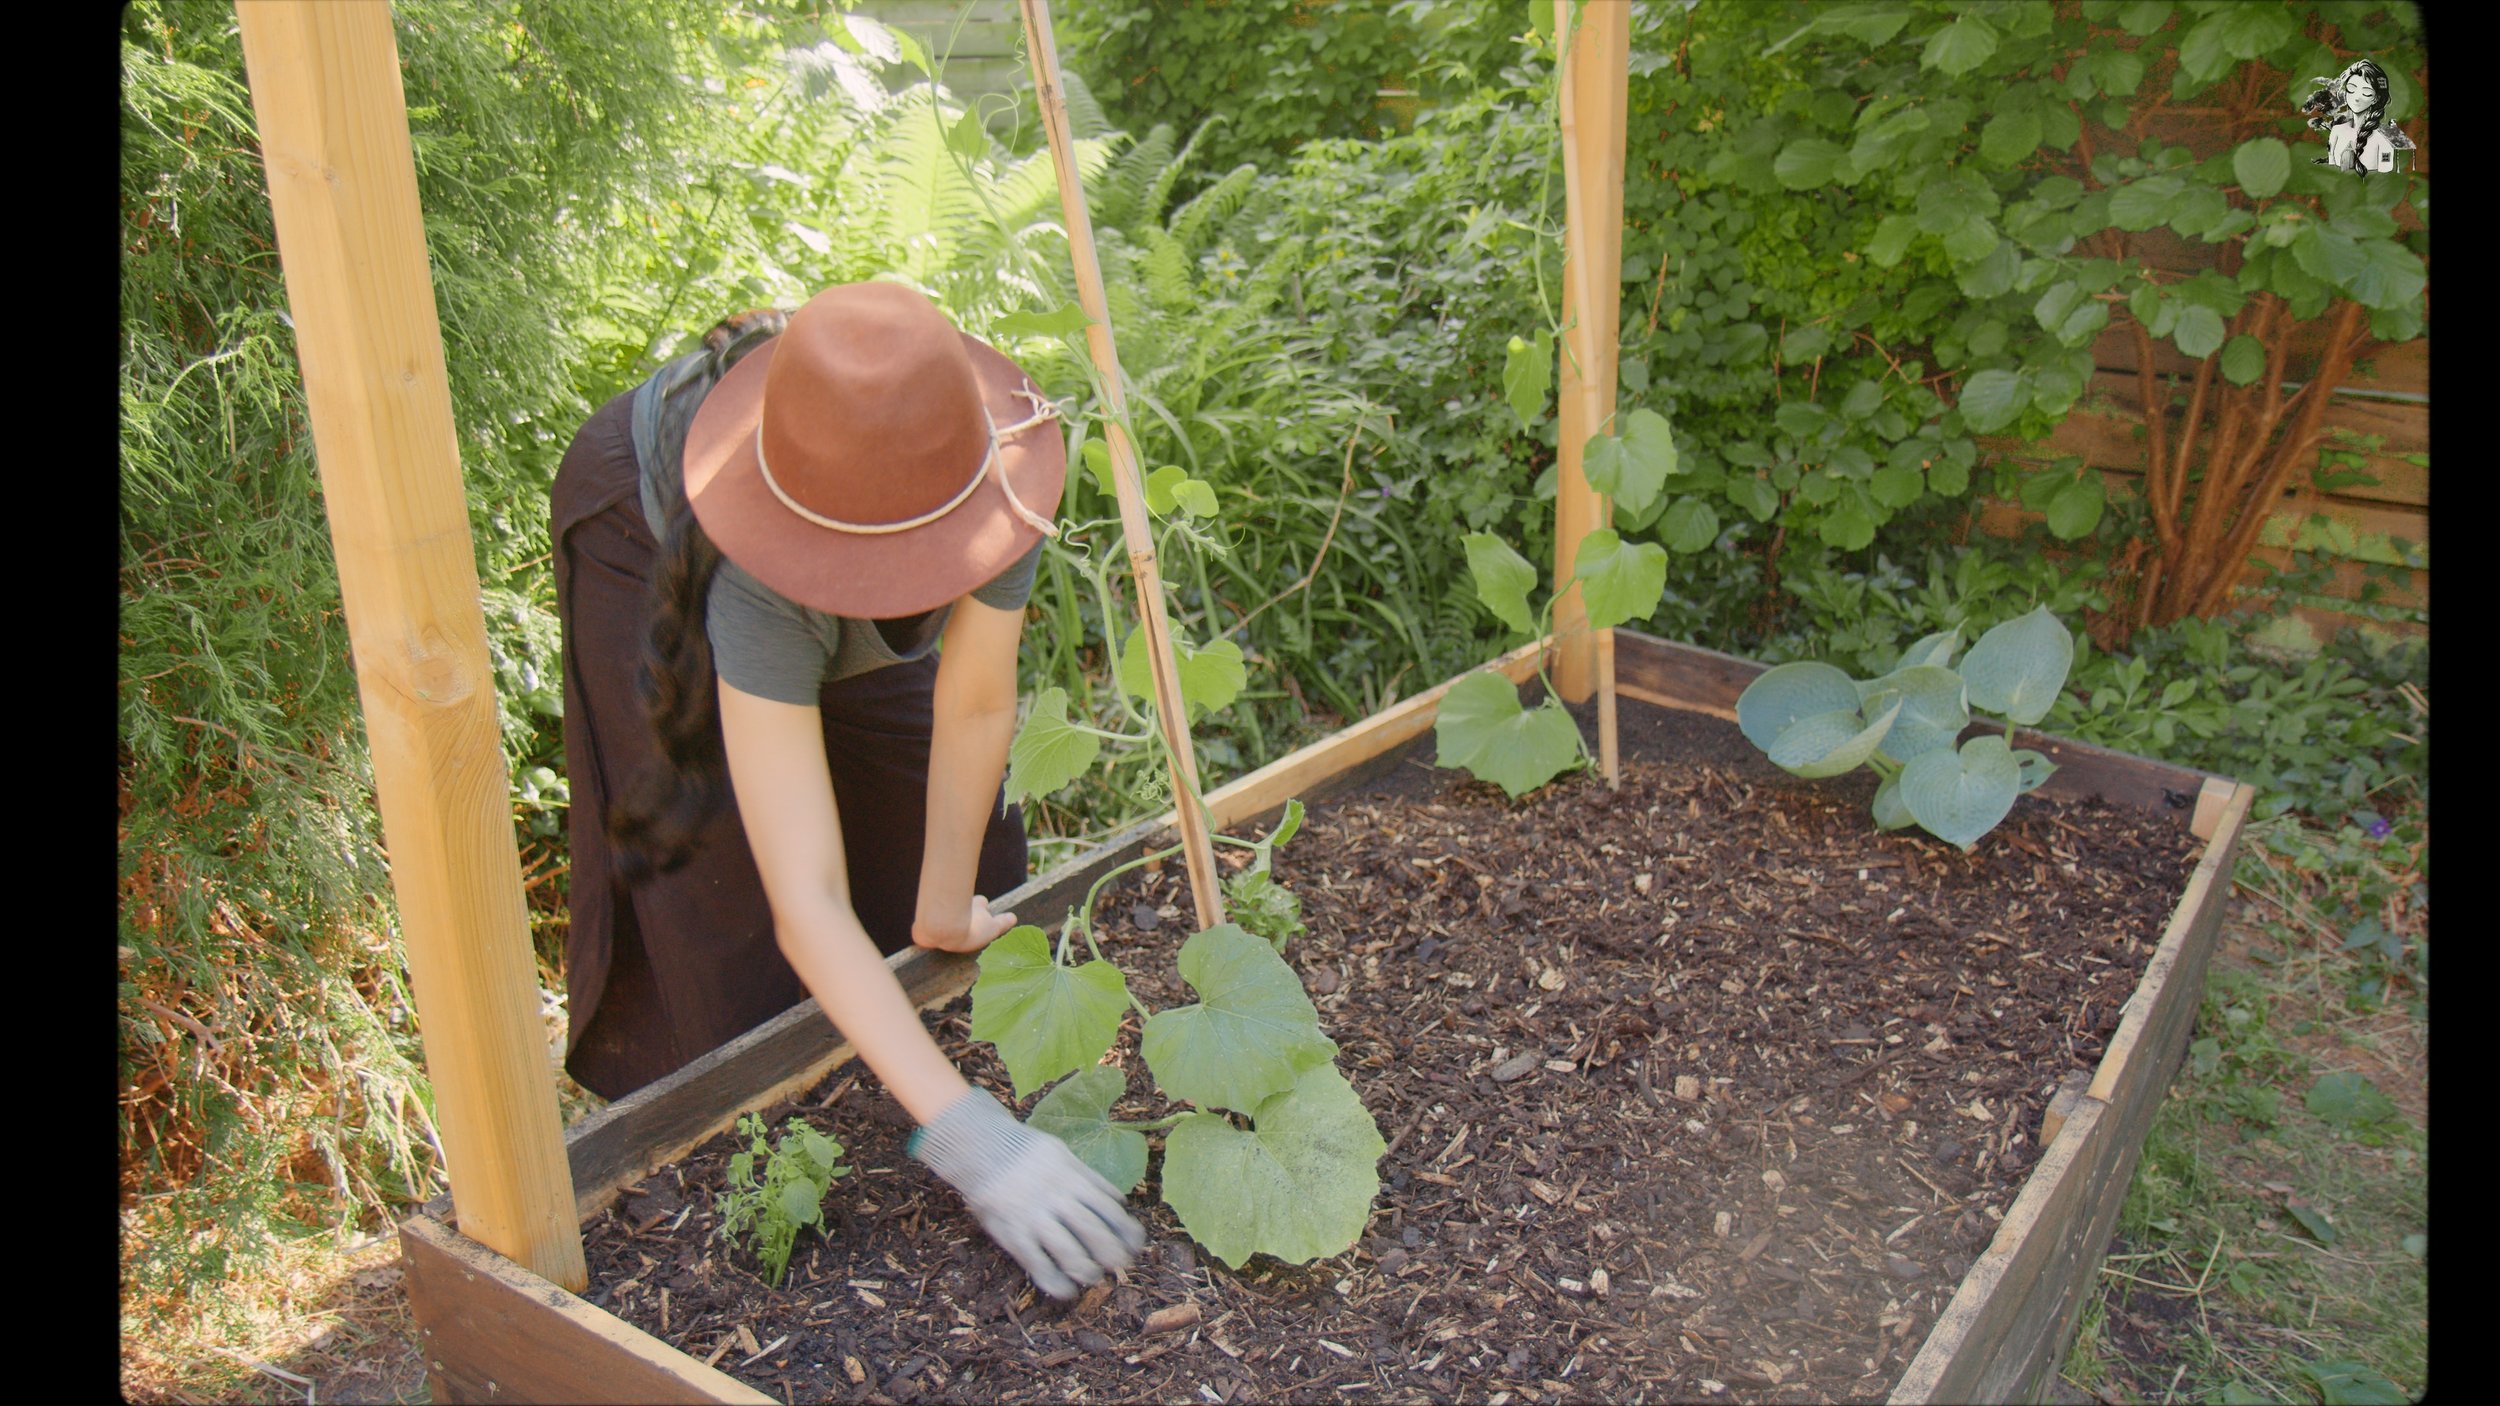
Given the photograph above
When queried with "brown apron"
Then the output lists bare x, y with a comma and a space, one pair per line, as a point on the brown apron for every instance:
660, 974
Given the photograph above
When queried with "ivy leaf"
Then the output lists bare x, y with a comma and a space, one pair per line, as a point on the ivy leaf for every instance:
1210, 677
2076, 508
1991, 400
2243, 359
1503, 579
2198, 331
1078, 1113
1066, 320
1960, 46
1808, 162
1251, 1033
1298, 1186
2016, 669
2261, 166
1482, 727
1045, 1019
1960, 796
1619, 582
1049, 751
1528, 375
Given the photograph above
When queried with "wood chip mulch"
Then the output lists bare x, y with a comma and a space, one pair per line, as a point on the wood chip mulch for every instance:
1703, 1089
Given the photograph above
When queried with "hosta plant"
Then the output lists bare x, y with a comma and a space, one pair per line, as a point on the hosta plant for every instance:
1814, 720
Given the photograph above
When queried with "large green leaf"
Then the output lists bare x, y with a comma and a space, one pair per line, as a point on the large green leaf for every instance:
1827, 744
1049, 751
2017, 668
1960, 796
1936, 649
1693, 524
1078, 1113
2010, 138
1299, 1186
1807, 162
2198, 331
1991, 400
1503, 580
2390, 275
1045, 1019
1649, 458
1961, 46
1250, 1033
2076, 508
2261, 165
1787, 692
2243, 359
1210, 677
1482, 727
1890, 813
1934, 709
1619, 582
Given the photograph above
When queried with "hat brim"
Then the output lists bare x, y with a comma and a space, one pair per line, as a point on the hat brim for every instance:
869, 576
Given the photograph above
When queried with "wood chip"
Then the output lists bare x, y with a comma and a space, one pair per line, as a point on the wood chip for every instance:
1518, 1066
1173, 1318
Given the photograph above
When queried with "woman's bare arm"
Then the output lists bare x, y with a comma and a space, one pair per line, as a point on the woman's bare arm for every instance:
974, 721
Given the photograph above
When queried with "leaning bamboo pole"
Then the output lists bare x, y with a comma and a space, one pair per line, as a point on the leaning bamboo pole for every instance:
1595, 72
1136, 525
343, 190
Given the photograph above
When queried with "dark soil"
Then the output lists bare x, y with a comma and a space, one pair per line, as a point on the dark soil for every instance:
1703, 1088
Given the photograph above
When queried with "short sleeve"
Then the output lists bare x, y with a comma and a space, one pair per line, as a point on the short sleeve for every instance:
1010, 589
763, 644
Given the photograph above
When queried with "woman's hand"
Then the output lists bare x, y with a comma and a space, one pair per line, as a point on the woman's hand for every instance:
979, 929
1066, 1225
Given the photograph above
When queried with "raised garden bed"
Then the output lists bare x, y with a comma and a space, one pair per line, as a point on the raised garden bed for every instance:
1701, 1086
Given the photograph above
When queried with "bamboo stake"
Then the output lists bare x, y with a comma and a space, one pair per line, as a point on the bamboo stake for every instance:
351, 238
1595, 74
1609, 754
1136, 526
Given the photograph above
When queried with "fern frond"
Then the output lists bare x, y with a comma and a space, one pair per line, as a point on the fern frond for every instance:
1212, 206
1150, 207
1124, 184
1085, 115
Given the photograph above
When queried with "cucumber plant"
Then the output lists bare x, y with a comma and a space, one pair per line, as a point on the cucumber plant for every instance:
1814, 720
767, 1216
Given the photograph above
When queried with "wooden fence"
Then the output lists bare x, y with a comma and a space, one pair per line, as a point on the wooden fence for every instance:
979, 42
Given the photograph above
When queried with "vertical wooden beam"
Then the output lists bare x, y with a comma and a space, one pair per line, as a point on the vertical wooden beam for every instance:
1595, 72
1136, 525
343, 189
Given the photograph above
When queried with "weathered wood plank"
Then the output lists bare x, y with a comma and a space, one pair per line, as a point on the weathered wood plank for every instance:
2382, 366
2348, 577
2009, 1323
494, 1332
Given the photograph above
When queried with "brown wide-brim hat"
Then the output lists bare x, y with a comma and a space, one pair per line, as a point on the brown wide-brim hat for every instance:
845, 463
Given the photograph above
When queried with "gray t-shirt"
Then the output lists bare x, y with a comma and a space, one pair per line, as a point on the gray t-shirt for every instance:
762, 642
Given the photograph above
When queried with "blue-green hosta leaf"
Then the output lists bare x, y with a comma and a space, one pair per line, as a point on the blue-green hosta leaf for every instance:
1299, 1186
1828, 744
1961, 46
1066, 320
2017, 668
1211, 677
1933, 709
1960, 796
1527, 375
2036, 767
1049, 752
1503, 579
1991, 400
1619, 582
1045, 1019
1890, 813
1936, 649
2261, 165
1078, 1113
1482, 727
1251, 1032
1788, 692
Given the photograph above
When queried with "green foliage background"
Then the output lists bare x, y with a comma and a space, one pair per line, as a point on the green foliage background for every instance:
1312, 305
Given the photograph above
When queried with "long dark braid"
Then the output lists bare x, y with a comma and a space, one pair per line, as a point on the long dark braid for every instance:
657, 823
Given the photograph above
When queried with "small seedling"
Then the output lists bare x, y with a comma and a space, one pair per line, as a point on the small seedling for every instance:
798, 1171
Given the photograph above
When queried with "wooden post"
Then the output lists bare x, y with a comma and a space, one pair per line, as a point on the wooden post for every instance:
1594, 76
1136, 525
343, 190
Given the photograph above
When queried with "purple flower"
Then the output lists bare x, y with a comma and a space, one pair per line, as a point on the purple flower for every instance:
2379, 828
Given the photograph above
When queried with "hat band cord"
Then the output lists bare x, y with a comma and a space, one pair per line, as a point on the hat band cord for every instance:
1044, 411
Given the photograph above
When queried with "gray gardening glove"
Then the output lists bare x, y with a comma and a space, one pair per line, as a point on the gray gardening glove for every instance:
1066, 1225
